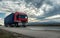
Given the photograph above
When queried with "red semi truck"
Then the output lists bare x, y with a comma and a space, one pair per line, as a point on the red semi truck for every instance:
16, 19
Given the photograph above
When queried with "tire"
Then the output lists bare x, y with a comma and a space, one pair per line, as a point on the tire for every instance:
6, 25
23, 25
11, 25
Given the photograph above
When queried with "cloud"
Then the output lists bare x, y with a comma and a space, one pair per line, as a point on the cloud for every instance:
36, 3
1, 21
53, 17
39, 9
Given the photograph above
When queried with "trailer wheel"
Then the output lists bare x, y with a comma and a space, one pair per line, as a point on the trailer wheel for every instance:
6, 25
11, 25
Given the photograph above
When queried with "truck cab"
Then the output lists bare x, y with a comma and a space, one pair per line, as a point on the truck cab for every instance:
20, 18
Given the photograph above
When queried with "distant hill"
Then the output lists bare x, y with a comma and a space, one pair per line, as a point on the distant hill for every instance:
51, 23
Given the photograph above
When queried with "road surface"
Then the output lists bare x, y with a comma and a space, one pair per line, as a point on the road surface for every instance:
37, 32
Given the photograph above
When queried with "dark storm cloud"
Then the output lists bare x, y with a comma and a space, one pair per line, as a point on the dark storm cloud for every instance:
36, 3
0, 0
49, 2
54, 11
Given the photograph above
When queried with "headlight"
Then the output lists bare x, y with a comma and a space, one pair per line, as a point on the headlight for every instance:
25, 17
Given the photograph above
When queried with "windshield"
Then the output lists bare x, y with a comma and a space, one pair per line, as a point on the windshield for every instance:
21, 16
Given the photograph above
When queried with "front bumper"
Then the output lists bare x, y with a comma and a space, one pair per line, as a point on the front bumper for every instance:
22, 23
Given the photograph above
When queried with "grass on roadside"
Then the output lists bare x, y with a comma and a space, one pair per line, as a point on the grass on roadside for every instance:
4, 34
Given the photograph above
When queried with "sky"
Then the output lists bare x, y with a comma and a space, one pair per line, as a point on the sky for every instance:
37, 10
2, 15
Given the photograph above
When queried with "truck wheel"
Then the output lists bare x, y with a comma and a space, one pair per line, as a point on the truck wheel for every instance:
24, 25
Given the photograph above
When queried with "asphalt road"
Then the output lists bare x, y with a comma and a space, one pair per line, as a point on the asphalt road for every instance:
37, 32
